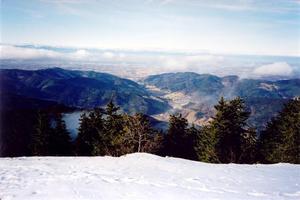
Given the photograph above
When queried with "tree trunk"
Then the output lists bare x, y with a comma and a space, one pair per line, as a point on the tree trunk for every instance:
140, 141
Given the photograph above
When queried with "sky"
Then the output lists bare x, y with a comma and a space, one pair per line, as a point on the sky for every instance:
258, 27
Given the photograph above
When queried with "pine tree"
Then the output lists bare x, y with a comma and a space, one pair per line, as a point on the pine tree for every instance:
178, 141
204, 145
97, 126
59, 140
90, 140
155, 144
40, 135
228, 126
280, 141
83, 144
249, 147
113, 129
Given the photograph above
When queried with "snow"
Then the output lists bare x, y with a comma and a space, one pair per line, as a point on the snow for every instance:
143, 177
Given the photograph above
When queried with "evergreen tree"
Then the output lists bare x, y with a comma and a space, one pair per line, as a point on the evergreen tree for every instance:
204, 145
280, 141
40, 135
178, 141
113, 129
90, 139
155, 144
97, 126
138, 135
249, 147
84, 139
17, 129
228, 126
59, 140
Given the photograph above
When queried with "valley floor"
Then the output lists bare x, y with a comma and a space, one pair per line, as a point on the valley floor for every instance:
143, 176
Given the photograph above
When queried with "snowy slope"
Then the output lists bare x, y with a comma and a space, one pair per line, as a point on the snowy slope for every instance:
143, 176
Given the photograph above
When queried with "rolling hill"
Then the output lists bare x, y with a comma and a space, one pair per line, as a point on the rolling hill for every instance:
264, 98
83, 89
191, 94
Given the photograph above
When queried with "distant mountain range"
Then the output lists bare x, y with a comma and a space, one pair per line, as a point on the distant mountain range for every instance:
82, 89
228, 86
263, 97
191, 93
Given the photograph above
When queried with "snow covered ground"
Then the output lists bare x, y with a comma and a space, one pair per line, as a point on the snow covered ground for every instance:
143, 176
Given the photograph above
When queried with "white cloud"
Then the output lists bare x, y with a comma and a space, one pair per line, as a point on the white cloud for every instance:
190, 62
13, 52
274, 69
163, 60
24, 53
80, 54
150, 61
108, 55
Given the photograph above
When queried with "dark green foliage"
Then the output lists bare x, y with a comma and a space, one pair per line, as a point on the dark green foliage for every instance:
228, 137
90, 139
19, 122
84, 145
229, 125
106, 132
47, 140
115, 134
280, 141
16, 129
59, 141
204, 144
178, 140
40, 135
113, 128
98, 134
248, 147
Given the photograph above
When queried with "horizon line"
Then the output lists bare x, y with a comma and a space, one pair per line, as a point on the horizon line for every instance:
149, 50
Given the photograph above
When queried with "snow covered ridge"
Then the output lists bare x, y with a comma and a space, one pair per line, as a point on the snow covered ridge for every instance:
143, 177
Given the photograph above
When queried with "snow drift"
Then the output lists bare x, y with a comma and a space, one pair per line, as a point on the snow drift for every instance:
143, 176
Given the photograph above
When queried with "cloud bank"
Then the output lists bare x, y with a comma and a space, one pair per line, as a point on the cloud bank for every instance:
167, 60
274, 69
143, 63
24, 53
12, 52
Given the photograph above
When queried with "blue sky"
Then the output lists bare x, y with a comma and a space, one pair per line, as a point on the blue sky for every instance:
263, 27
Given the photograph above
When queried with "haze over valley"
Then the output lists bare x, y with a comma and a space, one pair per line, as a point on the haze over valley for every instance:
138, 64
